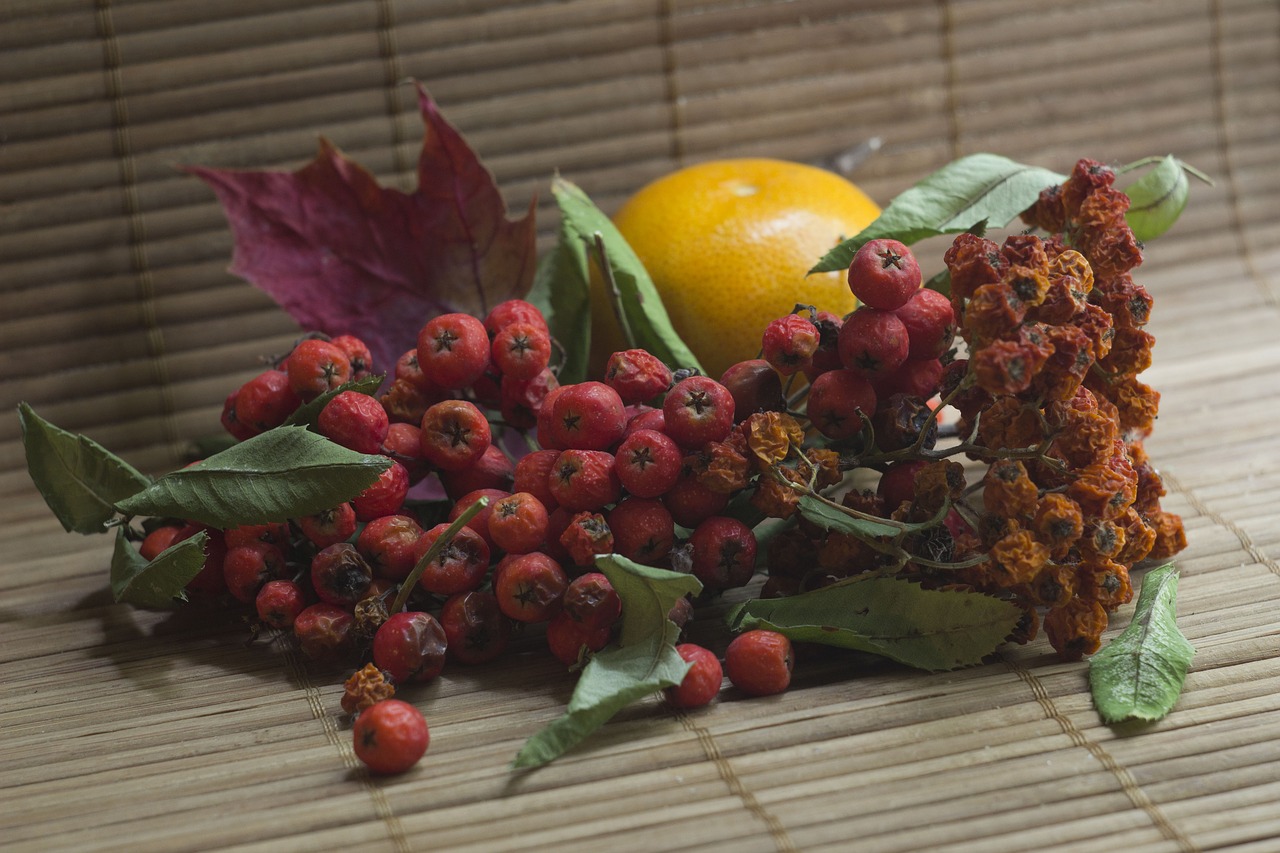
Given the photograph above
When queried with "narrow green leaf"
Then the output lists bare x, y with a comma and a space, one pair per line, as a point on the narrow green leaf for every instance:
898, 619
1157, 199
159, 584
643, 661
307, 414
80, 480
286, 472
562, 291
641, 304
829, 518
1140, 673
953, 199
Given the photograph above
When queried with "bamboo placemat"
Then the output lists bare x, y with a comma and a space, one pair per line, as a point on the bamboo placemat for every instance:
132, 730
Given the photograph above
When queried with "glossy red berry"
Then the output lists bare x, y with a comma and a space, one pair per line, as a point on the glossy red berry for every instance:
246, 568
493, 470
898, 482
643, 530
455, 435
410, 647
840, 403
354, 420
404, 444
698, 410
724, 553
587, 416
570, 640
530, 587
386, 495
521, 350
533, 475
279, 602
390, 736
930, 321
884, 274
158, 540
518, 523
460, 566
357, 352
585, 480
275, 533
329, 526
521, 400
510, 312
453, 350
701, 683
759, 662
648, 463
480, 521
266, 401
691, 503
316, 366
873, 342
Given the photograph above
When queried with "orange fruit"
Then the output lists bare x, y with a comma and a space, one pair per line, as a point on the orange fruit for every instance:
728, 243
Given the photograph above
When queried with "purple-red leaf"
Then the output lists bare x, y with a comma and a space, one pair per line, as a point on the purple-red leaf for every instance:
344, 255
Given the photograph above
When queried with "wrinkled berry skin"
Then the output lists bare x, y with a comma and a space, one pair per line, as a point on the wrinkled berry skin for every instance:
697, 410
340, 575
637, 375
759, 662
356, 421
410, 646
755, 387
390, 736
324, 631
475, 628
701, 683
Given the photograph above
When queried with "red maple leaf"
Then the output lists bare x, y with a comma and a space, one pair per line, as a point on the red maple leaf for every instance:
343, 255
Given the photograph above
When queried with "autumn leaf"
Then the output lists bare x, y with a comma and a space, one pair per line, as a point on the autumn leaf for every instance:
344, 255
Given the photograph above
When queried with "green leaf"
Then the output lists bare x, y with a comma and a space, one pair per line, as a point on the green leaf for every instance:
1140, 673
978, 189
639, 302
643, 661
286, 472
1157, 199
80, 480
562, 291
829, 518
158, 584
898, 619
308, 413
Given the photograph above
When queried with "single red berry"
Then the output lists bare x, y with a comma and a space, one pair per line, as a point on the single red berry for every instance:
637, 375
828, 355
209, 582
453, 350
480, 521
533, 475
691, 503
511, 312
930, 321
406, 404
873, 342
592, 600
569, 640
386, 495
643, 530
389, 545
884, 274
840, 401
697, 410
247, 567
455, 434
646, 418
316, 366
330, 526
274, 533
759, 662
558, 521
587, 536
410, 647
588, 416
701, 683
404, 444
493, 470
518, 523
530, 587
390, 736
521, 350
546, 432
231, 422
522, 399
460, 566
585, 480
354, 420
917, 377
724, 553
266, 401
357, 352
279, 602
648, 463
158, 540
339, 575
898, 483
755, 387
789, 343
475, 627
324, 631
409, 370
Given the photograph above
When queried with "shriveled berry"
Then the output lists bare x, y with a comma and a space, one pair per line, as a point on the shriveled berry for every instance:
389, 545
324, 631
724, 553
455, 434
759, 662
475, 627
637, 375
884, 274
316, 366
701, 683
354, 420
648, 463
592, 600
453, 350
410, 647
697, 410
587, 536
386, 495
339, 575
390, 737
789, 343
279, 602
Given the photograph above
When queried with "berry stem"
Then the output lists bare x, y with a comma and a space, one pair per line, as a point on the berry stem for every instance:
402, 598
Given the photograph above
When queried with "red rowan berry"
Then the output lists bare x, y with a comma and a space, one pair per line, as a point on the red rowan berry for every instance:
518, 523
691, 503
530, 587
460, 566
546, 433
884, 274
533, 475
386, 495
569, 639
453, 350
697, 410
231, 422
637, 375
759, 662
329, 526
646, 419
266, 401
592, 600
209, 581
930, 322
389, 545
316, 366
701, 683
279, 602
916, 377
354, 420
521, 350
324, 631
273, 533
509, 313
390, 736
339, 575
246, 568
588, 416
789, 343
827, 356
755, 387
586, 536
724, 553
840, 402
897, 483
648, 463
357, 352
410, 647
455, 434
409, 370
493, 470
585, 480
158, 540
475, 628
404, 445
521, 400
643, 530
873, 342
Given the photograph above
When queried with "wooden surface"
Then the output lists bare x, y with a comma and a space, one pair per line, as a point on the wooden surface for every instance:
132, 730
